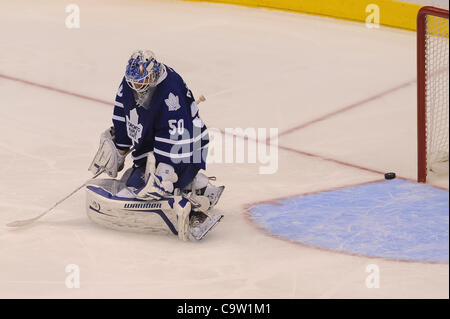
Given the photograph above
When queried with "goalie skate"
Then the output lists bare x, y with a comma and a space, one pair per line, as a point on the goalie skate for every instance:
201, 224
213, 193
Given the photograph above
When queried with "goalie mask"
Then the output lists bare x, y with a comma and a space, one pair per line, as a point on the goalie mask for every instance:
142, 70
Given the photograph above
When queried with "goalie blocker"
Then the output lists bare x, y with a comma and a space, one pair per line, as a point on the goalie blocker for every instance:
108, 204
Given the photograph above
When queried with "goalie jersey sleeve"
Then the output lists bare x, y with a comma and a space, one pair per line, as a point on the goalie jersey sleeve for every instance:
169, 125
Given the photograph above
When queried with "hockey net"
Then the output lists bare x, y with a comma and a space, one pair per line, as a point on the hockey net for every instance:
433, 91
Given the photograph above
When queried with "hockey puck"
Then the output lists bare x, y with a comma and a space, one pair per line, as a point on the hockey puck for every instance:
390, 175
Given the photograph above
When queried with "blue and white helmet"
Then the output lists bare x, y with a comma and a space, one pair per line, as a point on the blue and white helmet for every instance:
142, 70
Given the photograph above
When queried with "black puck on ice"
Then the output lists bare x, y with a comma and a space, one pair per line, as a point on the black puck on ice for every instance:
390, 175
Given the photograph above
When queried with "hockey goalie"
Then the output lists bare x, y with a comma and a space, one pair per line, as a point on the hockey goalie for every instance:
156, 119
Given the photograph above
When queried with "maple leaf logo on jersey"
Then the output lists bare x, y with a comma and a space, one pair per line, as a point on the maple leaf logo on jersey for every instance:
134, 129
173, 102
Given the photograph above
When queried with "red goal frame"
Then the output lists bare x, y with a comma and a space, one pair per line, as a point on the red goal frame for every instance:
421, 86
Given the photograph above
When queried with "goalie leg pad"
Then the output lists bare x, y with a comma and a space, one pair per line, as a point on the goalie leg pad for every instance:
168, 215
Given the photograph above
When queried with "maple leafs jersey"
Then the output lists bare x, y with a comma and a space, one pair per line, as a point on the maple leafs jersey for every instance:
165, 120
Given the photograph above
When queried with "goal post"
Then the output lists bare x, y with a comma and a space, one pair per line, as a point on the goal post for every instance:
432, 90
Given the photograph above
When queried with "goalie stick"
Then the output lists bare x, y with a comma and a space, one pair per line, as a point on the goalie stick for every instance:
24, 222
20, 223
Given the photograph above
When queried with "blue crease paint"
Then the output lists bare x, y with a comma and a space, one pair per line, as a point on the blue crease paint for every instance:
394, 219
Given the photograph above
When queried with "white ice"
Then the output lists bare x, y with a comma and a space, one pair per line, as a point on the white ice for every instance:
258, 68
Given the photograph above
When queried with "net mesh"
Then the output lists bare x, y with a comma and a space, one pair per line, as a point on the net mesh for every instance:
437, 90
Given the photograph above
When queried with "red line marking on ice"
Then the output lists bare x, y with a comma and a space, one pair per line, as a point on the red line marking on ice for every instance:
330, 160
347, 108
47, 87
275, 201
292, 150
51, 88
